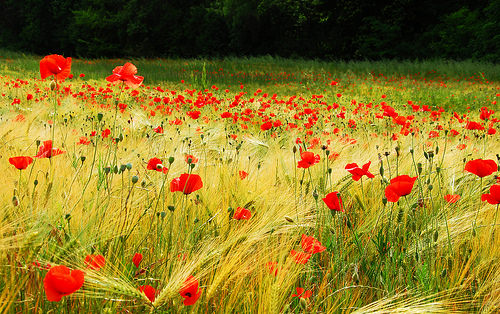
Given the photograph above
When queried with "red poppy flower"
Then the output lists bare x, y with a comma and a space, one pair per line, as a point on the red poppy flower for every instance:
46, 150
21, 162
272, 267
243, 174
242, 213
302, 293
494, 197
300, 257
189, 291
156, 164
485, 113
95, 261
311, 245
333, 201
126, 73
481, 168
106, 133
452, 198
149, 291
55, 65
186, 183
473, 125
190, 159
308, 159
137, 259
60, 281
400, 186
358, 172
158, 129
84, 141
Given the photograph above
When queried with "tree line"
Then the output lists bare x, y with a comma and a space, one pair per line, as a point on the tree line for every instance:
325, 29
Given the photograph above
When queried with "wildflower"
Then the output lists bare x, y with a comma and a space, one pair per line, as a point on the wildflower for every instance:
243, 174
46, 150
189, 291
358, 172
302, 293
149, 291
399, 186
242, 213
272, 267
311, 245
95, 262
137, 259
190, 159
61, 281
158, 129
186, 183
333, 201
127, 74
480, 167
156, 164
300, 257
308, 159
106, 133
494, 197
84, 141
55, 65
21, 162
452, 198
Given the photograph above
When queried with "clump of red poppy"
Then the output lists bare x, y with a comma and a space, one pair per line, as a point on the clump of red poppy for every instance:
61, 281
127, 74
399, 186
56, 66
186, 183
190, 291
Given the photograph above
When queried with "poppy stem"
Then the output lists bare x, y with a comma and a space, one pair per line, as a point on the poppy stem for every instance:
494, 223
477, 211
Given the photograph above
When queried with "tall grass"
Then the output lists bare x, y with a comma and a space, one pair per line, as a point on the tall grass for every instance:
420, 254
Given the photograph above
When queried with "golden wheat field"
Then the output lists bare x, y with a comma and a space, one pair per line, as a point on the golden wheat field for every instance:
261, 190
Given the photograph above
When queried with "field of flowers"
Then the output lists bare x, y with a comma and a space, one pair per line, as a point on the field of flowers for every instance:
248, 186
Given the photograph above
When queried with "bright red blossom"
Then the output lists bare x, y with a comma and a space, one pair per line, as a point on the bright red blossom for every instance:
302, 293
21, 162
452, 198
399, 186
137, 259
311, 245
61, 281
358, 172
308, 159
95, 262
494, 197
243, 174
46, 150
300, 257
156, 164
242, 213
186, 183
189, 291
127, 74
480, 167
55, 65
149, 291
333, 201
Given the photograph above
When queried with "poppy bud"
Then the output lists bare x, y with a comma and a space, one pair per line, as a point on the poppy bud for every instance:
426, 155
107, 170
171, 160
99, 116
15, 201
143, 183
171, 208
294, 149
53, 85
411, 151
115, 169
135, 179
327, 152
82, 158
397, 150
430, 187
437, 150
129, 166
37, 143
122, 168
202, 136
35, 183
436, 236
329, 170
384, 201
419, 168
192, 166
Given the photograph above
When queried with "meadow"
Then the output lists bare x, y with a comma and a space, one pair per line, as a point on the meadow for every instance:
259, 185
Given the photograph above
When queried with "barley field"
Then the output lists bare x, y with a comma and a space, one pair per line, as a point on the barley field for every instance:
259, 185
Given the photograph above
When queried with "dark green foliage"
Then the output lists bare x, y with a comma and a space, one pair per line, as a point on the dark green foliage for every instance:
341, 29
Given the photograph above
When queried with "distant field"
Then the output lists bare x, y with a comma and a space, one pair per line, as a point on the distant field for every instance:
249, 185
